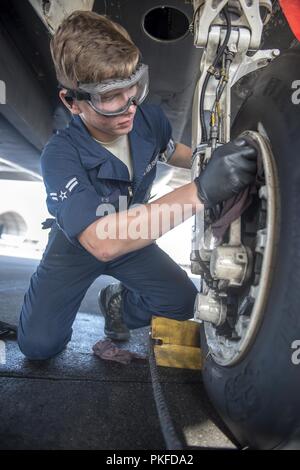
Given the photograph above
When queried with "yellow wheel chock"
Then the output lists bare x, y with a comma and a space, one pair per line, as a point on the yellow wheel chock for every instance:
177, 343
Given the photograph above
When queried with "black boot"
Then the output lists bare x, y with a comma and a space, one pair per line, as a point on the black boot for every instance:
109, 300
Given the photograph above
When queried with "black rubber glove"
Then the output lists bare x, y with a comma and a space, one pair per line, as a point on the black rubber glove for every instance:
231, 168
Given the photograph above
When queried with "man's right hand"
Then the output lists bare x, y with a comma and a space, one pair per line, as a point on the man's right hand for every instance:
231, 168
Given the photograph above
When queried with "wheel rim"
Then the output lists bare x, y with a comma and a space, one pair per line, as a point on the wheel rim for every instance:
224, 351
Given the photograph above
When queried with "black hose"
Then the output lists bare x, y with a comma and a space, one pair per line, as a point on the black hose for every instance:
202, 114
208, 74
225, 43
170, 436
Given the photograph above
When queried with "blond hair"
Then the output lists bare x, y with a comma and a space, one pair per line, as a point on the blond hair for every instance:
90, 48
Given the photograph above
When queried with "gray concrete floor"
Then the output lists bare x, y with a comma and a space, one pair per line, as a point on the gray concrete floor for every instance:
78, 401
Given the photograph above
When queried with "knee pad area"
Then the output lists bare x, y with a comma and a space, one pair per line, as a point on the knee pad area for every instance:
37, 348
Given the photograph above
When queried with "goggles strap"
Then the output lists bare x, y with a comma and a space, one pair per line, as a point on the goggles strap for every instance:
78, 95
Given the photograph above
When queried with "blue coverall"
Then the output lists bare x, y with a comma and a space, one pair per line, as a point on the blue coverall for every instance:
79, 175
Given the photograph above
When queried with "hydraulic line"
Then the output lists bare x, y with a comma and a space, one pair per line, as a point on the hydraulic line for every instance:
211, 71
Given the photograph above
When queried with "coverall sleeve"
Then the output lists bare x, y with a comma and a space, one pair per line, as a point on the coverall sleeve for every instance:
71, 198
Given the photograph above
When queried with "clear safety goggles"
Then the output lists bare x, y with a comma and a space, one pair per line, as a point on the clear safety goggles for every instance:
114, 97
